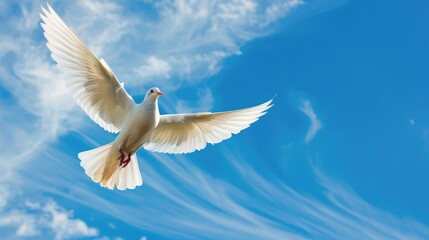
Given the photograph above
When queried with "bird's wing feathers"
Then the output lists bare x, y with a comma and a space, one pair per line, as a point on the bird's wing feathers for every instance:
90, 80
185, 133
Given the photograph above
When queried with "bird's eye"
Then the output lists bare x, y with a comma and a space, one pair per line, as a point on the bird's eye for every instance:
151, 91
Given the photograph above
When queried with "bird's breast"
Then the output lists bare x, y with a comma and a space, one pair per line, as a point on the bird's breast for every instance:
133, 135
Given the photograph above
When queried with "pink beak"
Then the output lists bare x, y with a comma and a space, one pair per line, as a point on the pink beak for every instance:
160, 93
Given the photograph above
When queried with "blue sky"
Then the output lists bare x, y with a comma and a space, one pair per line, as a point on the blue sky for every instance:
343, 154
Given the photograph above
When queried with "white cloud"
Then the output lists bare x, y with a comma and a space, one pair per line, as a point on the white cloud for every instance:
154, 68
102, 24
63, 224
194, 37
278, 10
25, 224
48, 219
315, 124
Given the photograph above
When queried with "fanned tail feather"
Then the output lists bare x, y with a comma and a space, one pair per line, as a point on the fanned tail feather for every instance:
94, 162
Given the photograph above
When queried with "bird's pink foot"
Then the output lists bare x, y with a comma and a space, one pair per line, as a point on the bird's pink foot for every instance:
124, 162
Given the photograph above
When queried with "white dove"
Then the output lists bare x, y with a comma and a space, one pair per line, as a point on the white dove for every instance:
104, 99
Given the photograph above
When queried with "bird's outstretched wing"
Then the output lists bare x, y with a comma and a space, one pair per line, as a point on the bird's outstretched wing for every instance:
185, 133
90, 80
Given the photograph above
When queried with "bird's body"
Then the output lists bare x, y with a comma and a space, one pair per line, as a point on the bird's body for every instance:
97, 90
143, 118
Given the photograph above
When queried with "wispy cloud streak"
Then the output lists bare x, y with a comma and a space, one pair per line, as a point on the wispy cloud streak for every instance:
315, 123
190, 39
254, 205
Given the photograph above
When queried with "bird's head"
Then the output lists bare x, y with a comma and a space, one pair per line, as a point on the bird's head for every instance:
153, 94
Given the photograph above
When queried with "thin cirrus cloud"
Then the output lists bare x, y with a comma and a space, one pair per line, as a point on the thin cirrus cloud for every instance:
255, 205
315, 123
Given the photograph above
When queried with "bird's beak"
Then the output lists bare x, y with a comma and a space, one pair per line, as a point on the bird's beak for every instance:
160, 93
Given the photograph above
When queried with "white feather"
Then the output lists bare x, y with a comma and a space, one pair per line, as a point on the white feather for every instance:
185, 133
124, 178
90, 80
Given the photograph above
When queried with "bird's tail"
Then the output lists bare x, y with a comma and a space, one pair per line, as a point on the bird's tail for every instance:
102, 166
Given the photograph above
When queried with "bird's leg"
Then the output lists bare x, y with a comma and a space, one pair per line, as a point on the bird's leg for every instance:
127, 161
124, 162
121, 158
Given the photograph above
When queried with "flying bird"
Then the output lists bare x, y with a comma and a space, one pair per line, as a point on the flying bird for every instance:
103, 98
